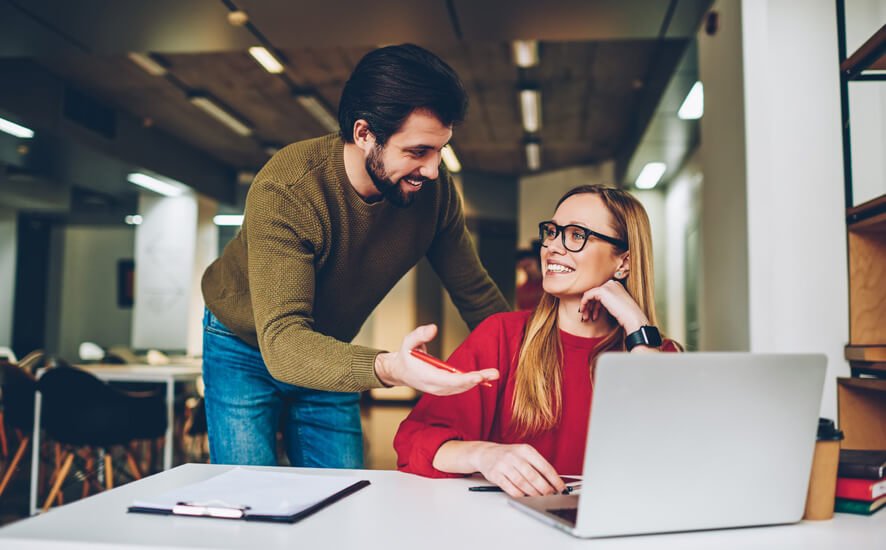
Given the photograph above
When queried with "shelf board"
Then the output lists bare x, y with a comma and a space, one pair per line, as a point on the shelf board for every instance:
870, 215
871, 55
867, 354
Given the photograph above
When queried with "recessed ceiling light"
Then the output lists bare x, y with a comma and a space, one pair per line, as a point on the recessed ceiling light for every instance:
650, 175
693, 106
228, 219
525, 53
15, 129
533, 155
450, 160
215, 110
266, 59
530, 109
164, 186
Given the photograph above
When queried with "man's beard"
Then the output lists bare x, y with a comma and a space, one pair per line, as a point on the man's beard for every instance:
392, 191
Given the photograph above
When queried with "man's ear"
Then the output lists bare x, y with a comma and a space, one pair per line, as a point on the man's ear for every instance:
624, 267
363, 136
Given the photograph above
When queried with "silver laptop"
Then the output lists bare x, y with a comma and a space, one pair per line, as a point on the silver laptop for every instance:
689, 441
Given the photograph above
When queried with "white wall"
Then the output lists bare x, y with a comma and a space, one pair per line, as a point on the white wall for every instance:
538, 194
723, 282
797, 232
681, 217
8, 241
87, 295
654, 203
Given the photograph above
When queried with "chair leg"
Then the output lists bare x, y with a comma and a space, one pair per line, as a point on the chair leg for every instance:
109, 472
4, 448
90, 464
60, 478
19, 453
133, 466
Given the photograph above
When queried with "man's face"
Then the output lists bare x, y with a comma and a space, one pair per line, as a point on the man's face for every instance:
410, 159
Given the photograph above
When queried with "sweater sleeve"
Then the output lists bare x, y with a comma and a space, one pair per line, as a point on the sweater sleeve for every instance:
454, 258
284, 240
466, 416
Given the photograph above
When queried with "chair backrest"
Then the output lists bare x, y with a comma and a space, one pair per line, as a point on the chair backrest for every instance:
8, 354
18, 386
80, 409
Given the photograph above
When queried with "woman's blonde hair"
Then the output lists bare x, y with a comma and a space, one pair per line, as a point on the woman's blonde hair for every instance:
538, 395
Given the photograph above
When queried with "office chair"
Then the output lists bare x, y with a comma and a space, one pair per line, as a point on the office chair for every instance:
18, 387
79, 410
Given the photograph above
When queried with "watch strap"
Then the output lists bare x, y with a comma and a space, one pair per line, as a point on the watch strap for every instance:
645, 336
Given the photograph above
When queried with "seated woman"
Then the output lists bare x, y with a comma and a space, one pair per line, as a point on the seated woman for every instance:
531, 424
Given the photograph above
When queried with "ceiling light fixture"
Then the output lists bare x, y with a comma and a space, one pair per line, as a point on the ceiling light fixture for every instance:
309, 101
525, 53
15, 129
266, 59
650, 175
212, 108
148, 63
693, 106
533, 155
228, 219
530, 109
164, 186
134, 219
450, 160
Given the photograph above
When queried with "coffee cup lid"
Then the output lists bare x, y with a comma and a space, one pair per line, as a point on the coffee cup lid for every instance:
827, 431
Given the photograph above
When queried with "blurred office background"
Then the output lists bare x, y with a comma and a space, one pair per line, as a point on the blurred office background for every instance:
137, 128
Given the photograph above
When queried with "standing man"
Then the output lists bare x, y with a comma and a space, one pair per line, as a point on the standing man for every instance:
331, 224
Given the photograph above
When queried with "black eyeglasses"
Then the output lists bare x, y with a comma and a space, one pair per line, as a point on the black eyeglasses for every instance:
573, 237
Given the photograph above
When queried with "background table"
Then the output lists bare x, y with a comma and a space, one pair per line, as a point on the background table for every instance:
164, 374
397, 511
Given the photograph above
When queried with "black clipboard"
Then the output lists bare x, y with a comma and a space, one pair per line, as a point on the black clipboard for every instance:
227, 508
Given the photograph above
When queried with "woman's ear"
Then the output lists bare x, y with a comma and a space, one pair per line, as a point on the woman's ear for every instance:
624, 267
363, 136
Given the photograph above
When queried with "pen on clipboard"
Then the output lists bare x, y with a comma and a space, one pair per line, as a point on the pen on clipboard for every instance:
431, 360
213, 509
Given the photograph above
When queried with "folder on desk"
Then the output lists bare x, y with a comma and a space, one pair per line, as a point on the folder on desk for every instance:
253, 495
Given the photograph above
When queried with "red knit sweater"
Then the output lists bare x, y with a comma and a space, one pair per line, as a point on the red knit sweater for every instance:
484, 414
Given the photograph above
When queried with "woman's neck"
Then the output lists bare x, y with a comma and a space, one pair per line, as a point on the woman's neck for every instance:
569, 320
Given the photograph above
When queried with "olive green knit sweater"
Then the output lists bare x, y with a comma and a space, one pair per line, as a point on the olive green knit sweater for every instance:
313, 259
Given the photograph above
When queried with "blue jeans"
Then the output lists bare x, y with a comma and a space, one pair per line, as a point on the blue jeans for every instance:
244, 403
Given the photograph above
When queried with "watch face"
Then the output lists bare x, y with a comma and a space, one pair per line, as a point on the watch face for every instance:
651, 336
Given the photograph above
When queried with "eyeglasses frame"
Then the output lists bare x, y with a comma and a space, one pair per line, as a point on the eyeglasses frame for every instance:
561, 230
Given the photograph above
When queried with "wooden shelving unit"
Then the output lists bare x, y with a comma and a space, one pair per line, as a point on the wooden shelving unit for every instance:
861, 399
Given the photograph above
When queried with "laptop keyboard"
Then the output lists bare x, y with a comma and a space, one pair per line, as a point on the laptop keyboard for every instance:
569, 514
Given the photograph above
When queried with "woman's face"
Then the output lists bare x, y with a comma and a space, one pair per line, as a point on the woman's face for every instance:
569, 274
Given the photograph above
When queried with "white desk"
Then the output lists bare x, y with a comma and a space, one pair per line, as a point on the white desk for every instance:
164, 374
398, 511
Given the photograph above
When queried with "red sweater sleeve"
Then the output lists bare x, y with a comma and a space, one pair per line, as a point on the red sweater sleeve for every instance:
466, 416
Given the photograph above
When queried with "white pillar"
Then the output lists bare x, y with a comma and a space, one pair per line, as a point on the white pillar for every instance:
8, 242
205, 251
773, 227
723, 286
165, 245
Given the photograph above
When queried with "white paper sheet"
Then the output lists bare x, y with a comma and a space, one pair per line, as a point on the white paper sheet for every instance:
264, 493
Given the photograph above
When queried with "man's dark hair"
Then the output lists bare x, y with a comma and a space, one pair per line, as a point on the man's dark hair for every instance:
389, 83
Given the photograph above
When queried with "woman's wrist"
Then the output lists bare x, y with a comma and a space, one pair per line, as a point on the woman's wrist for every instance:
634, 324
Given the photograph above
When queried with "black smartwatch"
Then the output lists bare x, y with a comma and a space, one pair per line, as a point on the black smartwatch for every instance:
646, 336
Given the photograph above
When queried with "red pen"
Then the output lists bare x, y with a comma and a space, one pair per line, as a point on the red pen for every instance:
431, 360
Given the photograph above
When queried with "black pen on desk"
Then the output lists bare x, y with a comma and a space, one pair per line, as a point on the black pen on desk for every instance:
497, 489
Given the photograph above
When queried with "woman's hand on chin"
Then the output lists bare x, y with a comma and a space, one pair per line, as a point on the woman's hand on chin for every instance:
612, 296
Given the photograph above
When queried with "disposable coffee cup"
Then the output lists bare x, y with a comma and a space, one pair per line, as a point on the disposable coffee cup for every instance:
823, 479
